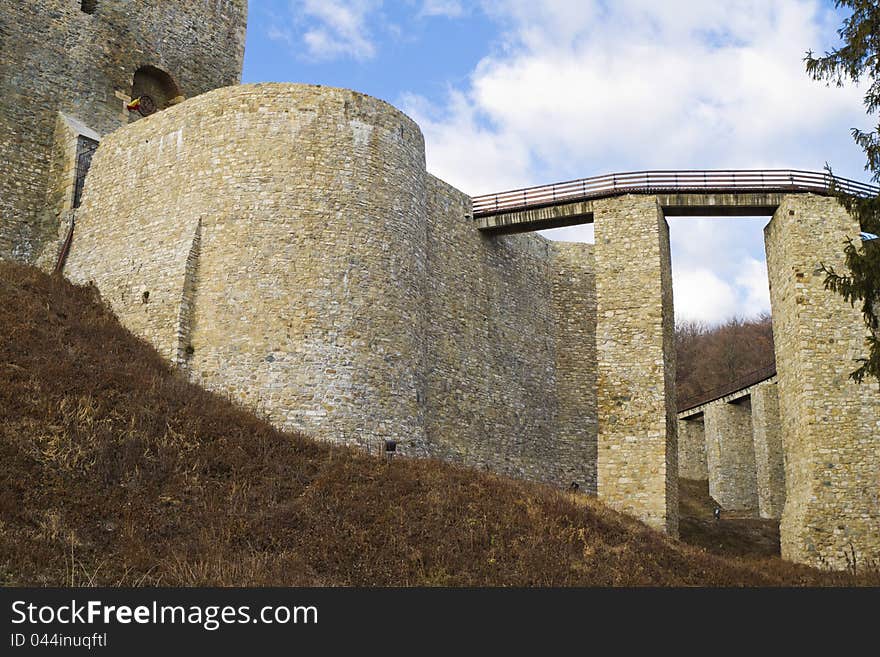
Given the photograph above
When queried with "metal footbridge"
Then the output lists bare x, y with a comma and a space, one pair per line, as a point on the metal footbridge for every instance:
739, 192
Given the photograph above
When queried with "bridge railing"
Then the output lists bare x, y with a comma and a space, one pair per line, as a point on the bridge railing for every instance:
646, 182
740, 383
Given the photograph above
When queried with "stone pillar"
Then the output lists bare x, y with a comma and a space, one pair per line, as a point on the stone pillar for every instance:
637, 449
730, 454
692, 449
574, 307
830, 425
769, 467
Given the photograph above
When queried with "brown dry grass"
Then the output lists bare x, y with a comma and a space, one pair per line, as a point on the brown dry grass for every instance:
117, 472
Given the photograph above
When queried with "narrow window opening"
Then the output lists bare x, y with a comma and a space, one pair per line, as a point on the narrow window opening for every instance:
85, 149
89, 6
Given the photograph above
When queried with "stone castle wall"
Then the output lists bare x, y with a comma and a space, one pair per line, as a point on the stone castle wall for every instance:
830, 424
769, 457
730, 455
692, 449
574, 307
310, 270
511, 358
55, 58
285, 245
737, 445
635, 353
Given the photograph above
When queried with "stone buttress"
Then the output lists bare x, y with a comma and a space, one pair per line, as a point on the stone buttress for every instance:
637, 449
830, 425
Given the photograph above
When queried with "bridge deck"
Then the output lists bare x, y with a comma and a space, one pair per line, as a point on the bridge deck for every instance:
680, 193
737, 389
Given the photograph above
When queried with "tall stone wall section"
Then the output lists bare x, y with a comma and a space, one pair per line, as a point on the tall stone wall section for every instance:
574, 308
510, 329
285, 245
55, 58
490, 341
637, 448
769, 461
692, 449
830, 425
730, 454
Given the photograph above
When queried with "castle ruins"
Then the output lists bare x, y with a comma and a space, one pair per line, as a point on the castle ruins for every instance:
285, 245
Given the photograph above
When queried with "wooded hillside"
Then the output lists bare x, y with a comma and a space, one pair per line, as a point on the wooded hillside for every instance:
710, 358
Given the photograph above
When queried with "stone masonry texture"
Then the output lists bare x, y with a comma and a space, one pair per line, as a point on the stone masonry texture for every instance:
574, 307
637, 448
510, 338
730, 455
692, 449
830, 425
308, 205
285, 245
55, 58
769, 461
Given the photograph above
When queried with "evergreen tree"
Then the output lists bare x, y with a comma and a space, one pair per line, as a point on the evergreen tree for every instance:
859, 59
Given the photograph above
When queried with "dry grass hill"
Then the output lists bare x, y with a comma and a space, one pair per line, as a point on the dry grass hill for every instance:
118, 472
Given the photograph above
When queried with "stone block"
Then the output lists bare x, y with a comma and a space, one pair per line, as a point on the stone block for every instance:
730, 455
769, 461
830, 424
637, 448
692, 449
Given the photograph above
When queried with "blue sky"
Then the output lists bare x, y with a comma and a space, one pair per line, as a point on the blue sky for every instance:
511, 93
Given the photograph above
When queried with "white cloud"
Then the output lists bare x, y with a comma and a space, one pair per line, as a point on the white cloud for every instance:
582, 233
702, 296
731, 250
752, 281
485, 158
574, 88
328, 29
447, 8
585, 87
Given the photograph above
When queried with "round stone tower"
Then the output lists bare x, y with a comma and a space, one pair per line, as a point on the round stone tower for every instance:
271, 239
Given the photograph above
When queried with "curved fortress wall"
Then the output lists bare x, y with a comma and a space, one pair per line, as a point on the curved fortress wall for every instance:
57, 59
285, 245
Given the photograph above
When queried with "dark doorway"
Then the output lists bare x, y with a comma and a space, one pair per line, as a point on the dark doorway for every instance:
156, 89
